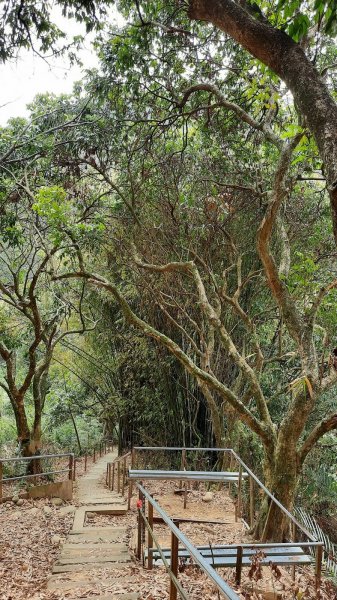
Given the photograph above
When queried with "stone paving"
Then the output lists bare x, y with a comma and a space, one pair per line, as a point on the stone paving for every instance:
87, 549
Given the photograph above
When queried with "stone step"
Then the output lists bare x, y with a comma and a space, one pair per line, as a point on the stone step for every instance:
78, 567
96, 534
108, 550
122, 557
91, 546
78, 580
128, 596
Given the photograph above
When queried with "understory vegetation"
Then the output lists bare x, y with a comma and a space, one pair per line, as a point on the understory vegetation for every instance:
167, 253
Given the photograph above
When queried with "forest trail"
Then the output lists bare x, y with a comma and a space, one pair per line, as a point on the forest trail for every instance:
90, 550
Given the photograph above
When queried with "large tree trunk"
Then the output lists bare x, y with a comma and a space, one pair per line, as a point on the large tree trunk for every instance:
287, 59
281, 473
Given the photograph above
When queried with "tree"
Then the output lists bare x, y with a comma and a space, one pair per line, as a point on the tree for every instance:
35, 315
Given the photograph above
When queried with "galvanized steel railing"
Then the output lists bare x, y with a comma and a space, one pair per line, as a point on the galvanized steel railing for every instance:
176, 536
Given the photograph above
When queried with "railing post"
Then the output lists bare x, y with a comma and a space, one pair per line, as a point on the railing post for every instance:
71, 465
1, 476
129, 494
140, 526
113, 477
100, 449
174, 565
149, 537
240, 493
124, 477
85, 462
251, 502
118, 477
133, 458
318, 570
238, 567
109, 476
74, 471
94, 456
185, 495
230, 468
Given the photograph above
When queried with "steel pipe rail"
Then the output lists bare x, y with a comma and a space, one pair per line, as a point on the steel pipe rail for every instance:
217, 476
222, 586
35, 457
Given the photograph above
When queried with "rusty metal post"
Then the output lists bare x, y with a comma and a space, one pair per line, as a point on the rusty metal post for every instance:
85, 462
240, 493
118, 477
238, 567
109, 476
318, 569
174, 565
293, 539
149, 537
71, 466
1, 476
251, 502
230, 468
129, 495
124, 478
140, 527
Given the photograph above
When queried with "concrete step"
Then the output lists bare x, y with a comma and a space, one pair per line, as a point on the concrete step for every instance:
122, 557
78, 580
96, 534
78, 567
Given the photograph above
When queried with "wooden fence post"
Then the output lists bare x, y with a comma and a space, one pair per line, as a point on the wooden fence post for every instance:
1, 476
74, 470
94, 457
113, 477
100, 449
133, 458
238, 567
118, 477
85, 462
71, 465
149, 537
174, 565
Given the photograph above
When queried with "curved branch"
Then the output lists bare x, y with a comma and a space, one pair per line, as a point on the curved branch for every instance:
242, 114
277, 286
321, 429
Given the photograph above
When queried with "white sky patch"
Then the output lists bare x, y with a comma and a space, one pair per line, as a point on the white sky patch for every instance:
29, 75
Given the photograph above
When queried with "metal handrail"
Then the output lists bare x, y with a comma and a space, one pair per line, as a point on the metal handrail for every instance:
35, 457
249, 471
222, 586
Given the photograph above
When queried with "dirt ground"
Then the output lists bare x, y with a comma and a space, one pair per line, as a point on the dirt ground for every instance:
30, 538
